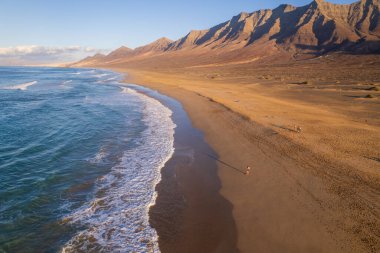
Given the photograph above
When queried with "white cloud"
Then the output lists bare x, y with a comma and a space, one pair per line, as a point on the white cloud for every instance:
90, 49
36, 50
33, 54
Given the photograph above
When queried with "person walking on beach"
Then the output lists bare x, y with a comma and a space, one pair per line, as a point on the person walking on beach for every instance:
247, 171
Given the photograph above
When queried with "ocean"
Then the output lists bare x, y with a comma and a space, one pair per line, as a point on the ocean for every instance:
80, 156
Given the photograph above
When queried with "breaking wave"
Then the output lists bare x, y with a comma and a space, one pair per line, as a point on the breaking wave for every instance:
117, 219
23, 86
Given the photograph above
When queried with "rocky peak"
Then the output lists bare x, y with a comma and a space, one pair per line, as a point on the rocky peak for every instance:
161, 44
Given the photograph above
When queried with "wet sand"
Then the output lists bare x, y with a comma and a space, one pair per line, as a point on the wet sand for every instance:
190, 215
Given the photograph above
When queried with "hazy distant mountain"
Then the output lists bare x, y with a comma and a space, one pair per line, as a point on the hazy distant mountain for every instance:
91, 60
158, 46
314, 29
120, 52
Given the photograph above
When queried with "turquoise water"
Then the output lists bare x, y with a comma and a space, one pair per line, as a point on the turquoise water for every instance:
80, 155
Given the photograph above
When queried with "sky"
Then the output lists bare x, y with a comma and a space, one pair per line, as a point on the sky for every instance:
47, 31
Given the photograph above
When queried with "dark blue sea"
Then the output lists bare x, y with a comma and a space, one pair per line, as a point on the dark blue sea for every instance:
80, 156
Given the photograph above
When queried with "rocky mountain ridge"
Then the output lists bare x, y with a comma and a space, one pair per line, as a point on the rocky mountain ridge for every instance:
313, 29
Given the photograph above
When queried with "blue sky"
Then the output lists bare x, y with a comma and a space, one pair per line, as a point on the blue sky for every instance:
108, 24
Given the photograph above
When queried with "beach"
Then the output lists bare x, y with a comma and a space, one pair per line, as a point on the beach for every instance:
199, 127
309, 134
314, 181
189, 214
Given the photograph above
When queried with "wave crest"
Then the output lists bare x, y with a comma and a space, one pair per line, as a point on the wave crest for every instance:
117, 220
23, 86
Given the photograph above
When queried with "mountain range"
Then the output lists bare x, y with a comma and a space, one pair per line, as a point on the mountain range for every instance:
286, 32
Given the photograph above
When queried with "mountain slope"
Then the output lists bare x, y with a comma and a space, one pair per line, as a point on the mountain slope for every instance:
90, 61
307, 31
319, 26
120, 53
159, 45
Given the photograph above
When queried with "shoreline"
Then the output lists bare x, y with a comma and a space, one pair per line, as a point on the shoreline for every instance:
189, 214
288, 203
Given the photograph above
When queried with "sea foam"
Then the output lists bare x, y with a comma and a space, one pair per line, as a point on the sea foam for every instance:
23, 86
117, 220
66, 82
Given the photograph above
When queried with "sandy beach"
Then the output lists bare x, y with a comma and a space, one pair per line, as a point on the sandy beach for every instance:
190, 127
190, 214
314, 185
